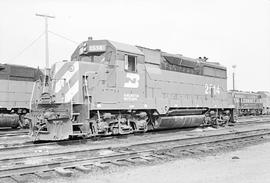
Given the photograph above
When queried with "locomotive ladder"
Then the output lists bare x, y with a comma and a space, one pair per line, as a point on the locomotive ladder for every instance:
76, 114
88, 99
73, 117
86, 90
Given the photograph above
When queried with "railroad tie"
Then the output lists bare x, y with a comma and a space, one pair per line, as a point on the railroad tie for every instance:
99, 165
137, 160
43, 175
130, 160
158, 156
7, 179
18, 178
83, 169
63, 172
147, 158
119, 163
170, 154
22, 178
184, 152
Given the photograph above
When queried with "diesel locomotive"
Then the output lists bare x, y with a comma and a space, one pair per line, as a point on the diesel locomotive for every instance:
16, 83
111, 88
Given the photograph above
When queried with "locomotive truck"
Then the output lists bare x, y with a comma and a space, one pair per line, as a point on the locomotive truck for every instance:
16, 87
111, 88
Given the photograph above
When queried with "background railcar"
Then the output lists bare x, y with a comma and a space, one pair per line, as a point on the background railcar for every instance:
247, 103
15, 92
265, 97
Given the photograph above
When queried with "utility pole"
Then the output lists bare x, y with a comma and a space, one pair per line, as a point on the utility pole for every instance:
46, 38
47, 64
233, 76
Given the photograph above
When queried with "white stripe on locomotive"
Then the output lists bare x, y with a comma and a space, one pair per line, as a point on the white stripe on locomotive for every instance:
72, 92
66, 77
58, 66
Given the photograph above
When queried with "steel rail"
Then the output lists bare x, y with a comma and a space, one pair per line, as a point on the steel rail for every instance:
30, 144
109, 147
7, 172
12, 133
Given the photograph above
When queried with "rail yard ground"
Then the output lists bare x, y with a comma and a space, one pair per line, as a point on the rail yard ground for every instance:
252, 166
198, 155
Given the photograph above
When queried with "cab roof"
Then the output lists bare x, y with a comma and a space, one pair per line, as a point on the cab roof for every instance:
126, 47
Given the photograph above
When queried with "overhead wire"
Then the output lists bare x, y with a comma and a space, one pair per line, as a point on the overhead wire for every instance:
27, 47
63, 37
35, 40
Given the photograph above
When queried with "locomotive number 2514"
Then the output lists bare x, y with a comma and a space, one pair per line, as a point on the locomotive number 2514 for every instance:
212, 89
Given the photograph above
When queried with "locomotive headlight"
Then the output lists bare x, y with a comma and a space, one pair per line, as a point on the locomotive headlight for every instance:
84, 47
81, 51
98, 105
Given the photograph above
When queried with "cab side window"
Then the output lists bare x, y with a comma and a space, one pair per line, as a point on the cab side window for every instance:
130, 63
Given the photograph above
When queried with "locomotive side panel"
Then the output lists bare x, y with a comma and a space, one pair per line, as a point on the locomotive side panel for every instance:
16, 85
186, 90
15, 94
131, 81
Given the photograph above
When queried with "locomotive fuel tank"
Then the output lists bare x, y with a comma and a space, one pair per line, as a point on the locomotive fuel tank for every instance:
9, 120
172, 122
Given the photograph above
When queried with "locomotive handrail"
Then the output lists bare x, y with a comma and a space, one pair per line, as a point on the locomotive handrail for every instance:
32, 96
71, 102
88, 97
87, 91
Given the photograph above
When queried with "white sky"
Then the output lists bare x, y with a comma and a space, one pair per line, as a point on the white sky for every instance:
232, 32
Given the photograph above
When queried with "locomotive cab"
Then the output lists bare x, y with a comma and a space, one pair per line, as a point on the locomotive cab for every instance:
100, 75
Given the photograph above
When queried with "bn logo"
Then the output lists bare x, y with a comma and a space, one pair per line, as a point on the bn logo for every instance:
132, 80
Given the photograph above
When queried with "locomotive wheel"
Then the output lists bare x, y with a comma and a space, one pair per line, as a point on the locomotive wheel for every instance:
149, 127
115, 131
24, 122
15, 126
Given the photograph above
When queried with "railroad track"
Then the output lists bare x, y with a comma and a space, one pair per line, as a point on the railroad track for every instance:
253, 118
64, 163
6, 132
253, 121
9, 133
27, 144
